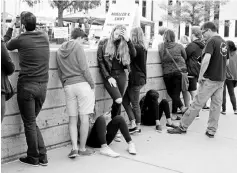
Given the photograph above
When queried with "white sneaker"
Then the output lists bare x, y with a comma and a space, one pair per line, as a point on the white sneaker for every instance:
108, 152
132, 149
235, 112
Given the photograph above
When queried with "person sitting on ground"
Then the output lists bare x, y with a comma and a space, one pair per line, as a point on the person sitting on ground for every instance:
152, 110
79, 88
103, 131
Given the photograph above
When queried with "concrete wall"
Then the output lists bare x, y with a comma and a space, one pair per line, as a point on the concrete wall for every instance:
53, 120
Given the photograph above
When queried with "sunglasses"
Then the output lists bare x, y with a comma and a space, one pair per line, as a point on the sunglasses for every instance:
203, 32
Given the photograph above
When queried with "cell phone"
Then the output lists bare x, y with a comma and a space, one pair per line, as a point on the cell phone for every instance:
17, 24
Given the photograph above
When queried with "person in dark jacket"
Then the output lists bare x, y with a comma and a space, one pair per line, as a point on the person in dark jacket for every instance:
114, 56
152, 109
33, 50
7, 68
194, 50
137, 79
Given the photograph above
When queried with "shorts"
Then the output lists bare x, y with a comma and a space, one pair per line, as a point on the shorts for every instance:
192, 84
79, 99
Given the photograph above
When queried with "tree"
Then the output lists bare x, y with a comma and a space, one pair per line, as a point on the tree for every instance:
77, 5
192, 11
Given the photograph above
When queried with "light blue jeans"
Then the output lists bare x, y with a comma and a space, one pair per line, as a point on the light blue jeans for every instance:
207, 89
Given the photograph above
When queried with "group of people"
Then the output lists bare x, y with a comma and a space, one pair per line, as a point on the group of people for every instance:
115, 55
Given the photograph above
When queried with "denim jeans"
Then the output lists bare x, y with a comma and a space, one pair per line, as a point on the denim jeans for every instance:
207, 89
30, 98
116, 92
131, 97
230, 86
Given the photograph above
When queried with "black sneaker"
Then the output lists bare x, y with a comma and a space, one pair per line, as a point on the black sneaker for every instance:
176, 131
29, 161
43, 161
206, 107
158, 128
133, 130
209, 135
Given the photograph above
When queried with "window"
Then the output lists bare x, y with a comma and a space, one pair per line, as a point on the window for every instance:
187, 30
144, 8
170, 3
226, 28
106, 5
152, 10
235, 28
160, 23
143, 28
137, 2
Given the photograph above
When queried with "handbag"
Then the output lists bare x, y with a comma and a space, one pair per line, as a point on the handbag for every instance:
9, 89
184, 79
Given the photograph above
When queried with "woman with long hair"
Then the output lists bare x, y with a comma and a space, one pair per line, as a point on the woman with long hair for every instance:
231, 81
137, 79
114, 56
171, 52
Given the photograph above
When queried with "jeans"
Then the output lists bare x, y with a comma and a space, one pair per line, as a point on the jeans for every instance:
230, 86
207, 89
116, 92
153, 111
30, 98
99, 136
131, 97
173, 87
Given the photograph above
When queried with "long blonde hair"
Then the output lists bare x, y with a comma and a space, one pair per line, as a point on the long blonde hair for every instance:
122, 51
137, 37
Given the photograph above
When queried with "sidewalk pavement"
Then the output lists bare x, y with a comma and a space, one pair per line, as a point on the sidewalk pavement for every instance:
193, 152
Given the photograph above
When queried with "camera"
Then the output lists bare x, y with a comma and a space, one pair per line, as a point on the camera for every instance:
17, 24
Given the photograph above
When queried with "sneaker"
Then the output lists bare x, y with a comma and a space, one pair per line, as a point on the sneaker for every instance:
73, 154
43, 161
28, 161
86, 152
139, 131
206, 107
197, 117
235, 112
171, 125
223, 112
108, 152
133, 130
209, 135
117, 139
176, 131
132, 149
158, 128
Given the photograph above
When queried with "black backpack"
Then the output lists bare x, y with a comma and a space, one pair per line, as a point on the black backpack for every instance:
193, 66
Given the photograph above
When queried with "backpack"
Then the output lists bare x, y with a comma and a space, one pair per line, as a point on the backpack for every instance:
193, 66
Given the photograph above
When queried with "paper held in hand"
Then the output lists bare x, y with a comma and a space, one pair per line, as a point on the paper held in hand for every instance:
122, 13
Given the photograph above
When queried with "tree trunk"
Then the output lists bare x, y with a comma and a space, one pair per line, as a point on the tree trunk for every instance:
60, 16
60, 24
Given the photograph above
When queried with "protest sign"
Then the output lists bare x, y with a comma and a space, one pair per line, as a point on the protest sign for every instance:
60, 32
120, 14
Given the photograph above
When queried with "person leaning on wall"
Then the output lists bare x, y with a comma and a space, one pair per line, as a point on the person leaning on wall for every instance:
33, 50
7, 68
113, 57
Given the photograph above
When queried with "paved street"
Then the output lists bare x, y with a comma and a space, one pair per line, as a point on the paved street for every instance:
157, 152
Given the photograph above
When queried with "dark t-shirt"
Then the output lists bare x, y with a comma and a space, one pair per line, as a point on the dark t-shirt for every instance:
216, 70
